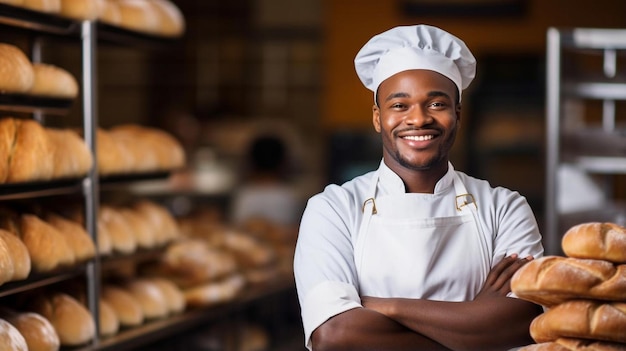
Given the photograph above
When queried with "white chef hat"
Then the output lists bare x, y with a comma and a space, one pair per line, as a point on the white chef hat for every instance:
415, 47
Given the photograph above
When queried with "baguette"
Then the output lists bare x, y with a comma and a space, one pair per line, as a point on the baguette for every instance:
595, 240
569, 344
550, 280
583, 319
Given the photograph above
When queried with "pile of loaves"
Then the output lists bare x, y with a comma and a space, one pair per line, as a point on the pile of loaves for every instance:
584, 293
155, 17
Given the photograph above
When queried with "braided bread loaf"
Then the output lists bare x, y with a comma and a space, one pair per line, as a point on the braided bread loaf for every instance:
581, 319
595, 240
550, 280
569, 344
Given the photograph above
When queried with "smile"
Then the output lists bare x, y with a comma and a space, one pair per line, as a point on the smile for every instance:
418, 137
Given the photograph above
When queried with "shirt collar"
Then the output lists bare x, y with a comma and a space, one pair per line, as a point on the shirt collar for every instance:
391, 183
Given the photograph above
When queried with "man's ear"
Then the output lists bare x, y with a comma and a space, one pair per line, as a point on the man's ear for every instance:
458, 112
376, 118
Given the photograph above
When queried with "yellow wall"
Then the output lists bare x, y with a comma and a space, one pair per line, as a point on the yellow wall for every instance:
350, 23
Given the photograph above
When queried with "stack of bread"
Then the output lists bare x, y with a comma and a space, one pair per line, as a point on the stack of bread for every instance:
132, 148
31, 152
156, 17
584, 293
21, 76
42, 244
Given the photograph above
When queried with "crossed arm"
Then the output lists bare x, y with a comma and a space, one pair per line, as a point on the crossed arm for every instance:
491, 321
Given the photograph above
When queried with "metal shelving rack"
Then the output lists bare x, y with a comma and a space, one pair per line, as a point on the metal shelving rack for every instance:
596, 150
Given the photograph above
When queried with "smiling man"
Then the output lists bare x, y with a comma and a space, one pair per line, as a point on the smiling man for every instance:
415, 255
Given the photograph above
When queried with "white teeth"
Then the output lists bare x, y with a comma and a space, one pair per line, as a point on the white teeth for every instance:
418, 138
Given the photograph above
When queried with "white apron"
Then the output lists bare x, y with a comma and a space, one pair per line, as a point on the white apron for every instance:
399, 253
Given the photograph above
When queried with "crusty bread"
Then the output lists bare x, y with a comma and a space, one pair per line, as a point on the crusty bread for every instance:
48, 249
144, 159
109, 323
125, 305
30, 160
12, 2
72, 321
596, 240
11, 338
160, 220
16, 70
6, 263
172, 293
50, 80
38, 332
8, 129
159, 149
112, 156
140, 228
214, 292
50, 6
550, 280
105, 245
18, 253
171, 19
79, 9
120, 232
569, 344
76, 236
584, 319
72, 157
150, 298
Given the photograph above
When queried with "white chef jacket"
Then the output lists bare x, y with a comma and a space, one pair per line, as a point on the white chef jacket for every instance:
324, 266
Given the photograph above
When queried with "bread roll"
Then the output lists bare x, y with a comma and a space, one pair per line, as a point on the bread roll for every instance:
583, 319
172, 293
140, 228
122, 239
105, 245
138, 15
18, 253
72, 157
113, 158
568, 344
550, 280
7, 270
49, 6
595, 240
48, 249
53, 81
76, 236
38, 332
12, 2
160, 149
16, 70
109, 323
144, 159
124, 304
72, 320
160, 220
150, 298
79, 9
8, 129
171, 20
10, 338
30, 160
214, 292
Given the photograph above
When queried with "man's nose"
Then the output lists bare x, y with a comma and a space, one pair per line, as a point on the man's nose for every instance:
418, 116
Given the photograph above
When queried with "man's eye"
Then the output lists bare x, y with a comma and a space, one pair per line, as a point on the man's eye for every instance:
397, 105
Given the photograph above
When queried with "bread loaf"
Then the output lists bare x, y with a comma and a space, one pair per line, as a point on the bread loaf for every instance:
112, 157
48, 249
105, 245
595, 240
583, 319
214, 292
109, 323
10, 338
16, 70
569, 344
124, 304
7, 270
50, 80
38, 332
550, 280
138, 15
12, 2
72, 320
18, 253
79, 9
76, 236
160, 220
8, 129
161, 150
140, 228
144, 159
30, 159
49, 6
71, 155
109, 12
122, 239
150, 298
172, 293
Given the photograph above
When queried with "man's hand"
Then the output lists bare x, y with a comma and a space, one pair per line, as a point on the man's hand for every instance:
498, 282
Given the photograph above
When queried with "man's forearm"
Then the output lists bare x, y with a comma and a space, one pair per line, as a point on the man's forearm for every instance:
484, 324
363, 329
